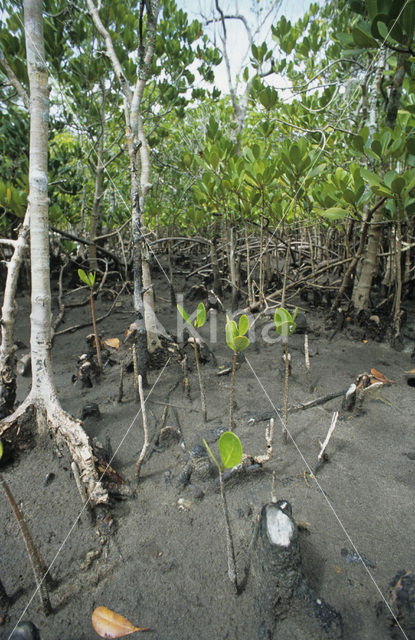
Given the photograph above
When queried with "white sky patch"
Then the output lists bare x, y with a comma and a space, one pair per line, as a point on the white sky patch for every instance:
237, 40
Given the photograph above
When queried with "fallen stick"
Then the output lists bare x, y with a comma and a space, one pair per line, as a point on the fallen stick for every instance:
267, 415
39, 568
322, 457
146, 443
307, 363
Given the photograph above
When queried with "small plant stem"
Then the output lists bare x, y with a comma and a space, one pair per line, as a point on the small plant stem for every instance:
229, 540
307, 363
135, 371
121, 385
285, 417
38, 565
94, 324
284, 286
269, 437
235, 355
274, 487
146, 443
186, 384
201, 385
321, 458
248, 267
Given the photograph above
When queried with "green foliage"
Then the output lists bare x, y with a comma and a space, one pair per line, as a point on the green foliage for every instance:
284, 322
235, 335
230, 449
200, 315
88, 279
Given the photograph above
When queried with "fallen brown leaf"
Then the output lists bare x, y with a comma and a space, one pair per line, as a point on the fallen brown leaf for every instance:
379, 377
109, 624
114, 343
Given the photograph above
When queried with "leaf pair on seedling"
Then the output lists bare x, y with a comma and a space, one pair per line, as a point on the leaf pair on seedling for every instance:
235, 335
200, 315
285, 322
87, 278
230, 449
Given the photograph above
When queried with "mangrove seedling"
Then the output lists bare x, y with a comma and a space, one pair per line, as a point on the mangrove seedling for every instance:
285, 326
237, 341
38, 565
199, 322
89, 280
230, 449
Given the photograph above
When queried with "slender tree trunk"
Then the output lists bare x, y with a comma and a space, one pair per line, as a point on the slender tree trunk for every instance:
139, 153
217, 285
43, 393
8, 312
232, 267
153, 340
369, 268
98, 194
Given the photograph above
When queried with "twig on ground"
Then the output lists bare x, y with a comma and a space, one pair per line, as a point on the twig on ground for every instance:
322, 456
121, 384
274, 487
145, 429
38, 565
307, 363
269, 436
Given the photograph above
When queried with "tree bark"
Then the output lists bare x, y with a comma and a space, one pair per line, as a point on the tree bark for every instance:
138, 152
370, 266
9, 310
98, 194
43, 395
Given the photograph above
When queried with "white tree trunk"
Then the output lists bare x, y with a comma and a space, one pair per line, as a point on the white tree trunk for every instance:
43, 392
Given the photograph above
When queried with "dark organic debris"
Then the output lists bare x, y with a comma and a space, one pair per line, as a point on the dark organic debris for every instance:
91, 409
25, 631
48, 479
198, 460
355, 558
403, 604
284, 605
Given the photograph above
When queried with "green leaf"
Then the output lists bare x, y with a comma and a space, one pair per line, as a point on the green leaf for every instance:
231, 331
372, 178
214, 159
284, 323
362, 36
243, 325
397, 185
240, 343
85, 279
410, 145
183, 313
200, 315
230, 449
334, 213
408, 19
